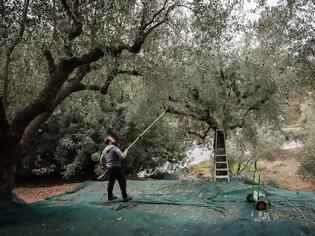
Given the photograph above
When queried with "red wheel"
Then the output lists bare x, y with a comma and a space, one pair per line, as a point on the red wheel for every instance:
261, 205
250, 198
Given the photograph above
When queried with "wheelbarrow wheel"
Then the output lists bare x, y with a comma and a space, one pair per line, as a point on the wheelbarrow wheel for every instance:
261, 204
250, 197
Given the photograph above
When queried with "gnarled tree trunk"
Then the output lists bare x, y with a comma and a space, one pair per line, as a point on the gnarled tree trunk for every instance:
7, 171
10, 152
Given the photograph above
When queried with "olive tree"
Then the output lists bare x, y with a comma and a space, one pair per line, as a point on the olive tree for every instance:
74, 38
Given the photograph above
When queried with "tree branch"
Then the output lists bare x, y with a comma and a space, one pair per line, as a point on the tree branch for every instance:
52, 93
9, 52
80, 72
110, 78
22, 23
145, 34
67, 9
191, 111
244, 165
142, 20
129, 72
254, 107
201, 136
157, 24
74, 85
76, 25
193, 115
231, 84
211, 121
50, 61
33, 127
144, 31
91, 87
46, 98
258, 104
4, 124
156, 14
87, 58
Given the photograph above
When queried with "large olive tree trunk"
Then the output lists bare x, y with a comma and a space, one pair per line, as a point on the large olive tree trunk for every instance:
10, 152
8, 160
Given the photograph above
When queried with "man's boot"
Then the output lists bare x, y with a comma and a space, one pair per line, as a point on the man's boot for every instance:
127, 198
111, 198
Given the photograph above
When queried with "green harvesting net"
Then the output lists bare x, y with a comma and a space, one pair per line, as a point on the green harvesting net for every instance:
162, 208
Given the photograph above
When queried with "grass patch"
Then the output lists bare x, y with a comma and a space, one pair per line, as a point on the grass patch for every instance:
200, 167
292, 114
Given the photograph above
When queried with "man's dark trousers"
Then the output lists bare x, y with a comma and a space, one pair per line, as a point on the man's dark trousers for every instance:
115, 173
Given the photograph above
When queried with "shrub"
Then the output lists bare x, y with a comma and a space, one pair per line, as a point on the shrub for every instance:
71, 142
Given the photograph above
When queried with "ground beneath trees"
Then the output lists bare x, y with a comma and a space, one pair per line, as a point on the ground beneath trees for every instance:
281, 172
32, 193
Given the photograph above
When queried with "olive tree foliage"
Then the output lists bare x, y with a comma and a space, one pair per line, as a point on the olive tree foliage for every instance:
185, 64
307, 157
237, 76
294, 26
246, 149
291, 25
288, 30
71, 28
12, 29
71, 142
224, 82
67, 47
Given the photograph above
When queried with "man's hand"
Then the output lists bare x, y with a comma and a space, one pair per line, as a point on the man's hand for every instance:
125, 152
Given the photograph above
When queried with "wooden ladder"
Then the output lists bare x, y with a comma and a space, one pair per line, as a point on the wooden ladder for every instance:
221, 164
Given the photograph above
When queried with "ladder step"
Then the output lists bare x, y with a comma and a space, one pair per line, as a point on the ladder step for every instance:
219, 129
221, 176
221, 165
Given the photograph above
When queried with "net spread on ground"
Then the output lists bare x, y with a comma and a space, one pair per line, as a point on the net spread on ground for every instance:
162, 207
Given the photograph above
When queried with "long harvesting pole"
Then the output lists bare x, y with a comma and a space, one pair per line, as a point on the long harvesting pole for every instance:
156, 120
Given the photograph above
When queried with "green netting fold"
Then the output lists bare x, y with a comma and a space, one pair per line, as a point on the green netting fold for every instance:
161, 208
